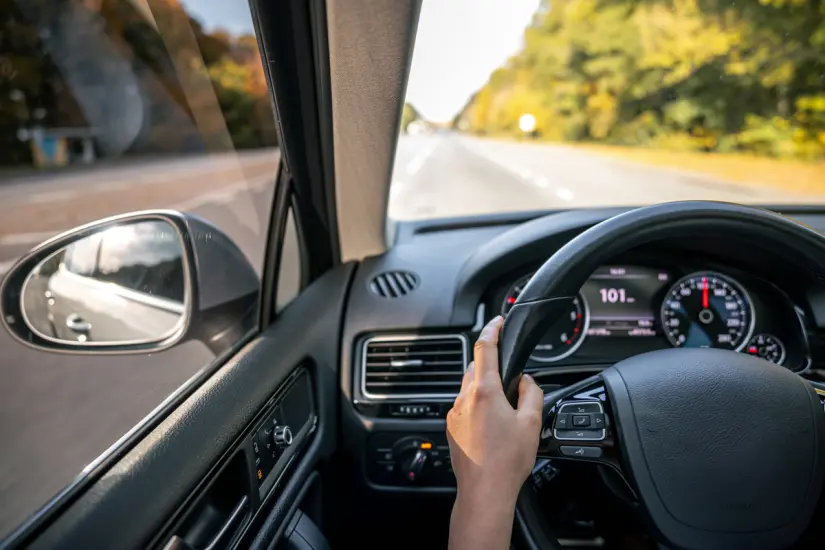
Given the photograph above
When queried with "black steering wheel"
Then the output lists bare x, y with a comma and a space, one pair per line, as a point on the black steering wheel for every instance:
722, 450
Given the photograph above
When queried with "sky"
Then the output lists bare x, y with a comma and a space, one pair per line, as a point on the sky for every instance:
459, 43
231, 15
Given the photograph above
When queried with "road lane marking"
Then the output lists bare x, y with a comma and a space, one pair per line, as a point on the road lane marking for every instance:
51, 196
416, 163
226, 194
565, 194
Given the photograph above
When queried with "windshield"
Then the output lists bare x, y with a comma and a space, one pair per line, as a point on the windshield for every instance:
525, 105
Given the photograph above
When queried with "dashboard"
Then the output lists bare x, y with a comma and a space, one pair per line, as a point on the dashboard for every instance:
623, 310
414, 311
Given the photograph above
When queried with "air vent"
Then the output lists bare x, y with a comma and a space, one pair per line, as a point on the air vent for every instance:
394, 284
415, 366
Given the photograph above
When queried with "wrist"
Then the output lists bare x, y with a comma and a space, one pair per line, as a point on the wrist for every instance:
482, 519
492, 496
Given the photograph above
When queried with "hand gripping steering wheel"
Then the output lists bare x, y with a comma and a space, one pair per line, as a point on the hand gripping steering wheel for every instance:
722, 450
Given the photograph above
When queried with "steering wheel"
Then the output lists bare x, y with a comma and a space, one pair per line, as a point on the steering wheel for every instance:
722, 449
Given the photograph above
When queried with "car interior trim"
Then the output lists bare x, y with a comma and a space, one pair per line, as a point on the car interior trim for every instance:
364, 157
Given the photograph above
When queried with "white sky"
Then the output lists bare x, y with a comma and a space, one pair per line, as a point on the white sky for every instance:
459, 43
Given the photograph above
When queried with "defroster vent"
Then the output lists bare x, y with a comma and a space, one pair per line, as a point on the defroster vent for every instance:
413, 366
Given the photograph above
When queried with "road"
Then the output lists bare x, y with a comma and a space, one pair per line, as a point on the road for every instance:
442, 175
58, 413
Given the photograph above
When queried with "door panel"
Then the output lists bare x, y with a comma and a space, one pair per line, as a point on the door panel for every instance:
130, 503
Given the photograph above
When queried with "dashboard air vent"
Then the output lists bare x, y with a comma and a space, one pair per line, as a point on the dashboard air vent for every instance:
394, 284
415, 366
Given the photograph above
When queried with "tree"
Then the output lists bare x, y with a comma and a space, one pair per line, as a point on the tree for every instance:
706, 75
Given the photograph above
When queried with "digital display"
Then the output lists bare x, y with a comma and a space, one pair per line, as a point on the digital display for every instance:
623, 300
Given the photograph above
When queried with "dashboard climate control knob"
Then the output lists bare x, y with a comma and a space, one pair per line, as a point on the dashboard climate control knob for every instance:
282, 436
413, 456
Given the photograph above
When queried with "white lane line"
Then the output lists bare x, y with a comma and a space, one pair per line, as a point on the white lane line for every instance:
51, 196
224, 195
565, 194
416, 163
26, 238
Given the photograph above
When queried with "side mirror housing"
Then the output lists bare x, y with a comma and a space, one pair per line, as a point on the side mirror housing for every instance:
135, 283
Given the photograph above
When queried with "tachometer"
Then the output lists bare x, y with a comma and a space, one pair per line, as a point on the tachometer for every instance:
565, 336
767, 347
707, 310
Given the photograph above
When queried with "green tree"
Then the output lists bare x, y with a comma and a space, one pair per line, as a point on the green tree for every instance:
705, 75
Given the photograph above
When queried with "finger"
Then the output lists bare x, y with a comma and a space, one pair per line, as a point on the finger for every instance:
530, 397
466, 384
485, 353
467, 380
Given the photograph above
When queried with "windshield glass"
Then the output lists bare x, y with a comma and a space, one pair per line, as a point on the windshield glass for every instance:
526, 105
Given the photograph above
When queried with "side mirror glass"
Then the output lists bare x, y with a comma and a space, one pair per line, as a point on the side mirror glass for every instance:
134, 283
125, 284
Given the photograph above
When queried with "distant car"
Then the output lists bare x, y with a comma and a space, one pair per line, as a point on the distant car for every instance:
117, 286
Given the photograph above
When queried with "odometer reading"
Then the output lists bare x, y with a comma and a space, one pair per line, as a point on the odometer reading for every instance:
707, 310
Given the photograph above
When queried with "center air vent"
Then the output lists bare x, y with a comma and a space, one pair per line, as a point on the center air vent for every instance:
415, 366
394, 284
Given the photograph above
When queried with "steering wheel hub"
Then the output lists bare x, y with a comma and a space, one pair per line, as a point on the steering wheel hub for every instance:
724, 449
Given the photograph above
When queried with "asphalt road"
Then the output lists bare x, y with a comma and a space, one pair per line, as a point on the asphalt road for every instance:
57, 412
441, 175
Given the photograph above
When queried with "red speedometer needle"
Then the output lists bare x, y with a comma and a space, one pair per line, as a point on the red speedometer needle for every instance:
705, 292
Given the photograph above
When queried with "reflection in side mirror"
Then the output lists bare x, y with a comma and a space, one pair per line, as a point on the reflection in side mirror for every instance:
134, 283
123, 285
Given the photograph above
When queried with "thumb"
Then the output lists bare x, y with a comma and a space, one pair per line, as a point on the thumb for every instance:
530, 397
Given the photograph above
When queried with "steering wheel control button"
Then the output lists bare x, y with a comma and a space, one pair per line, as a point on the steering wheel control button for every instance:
582, 407
581, 452
580, 435
581, 421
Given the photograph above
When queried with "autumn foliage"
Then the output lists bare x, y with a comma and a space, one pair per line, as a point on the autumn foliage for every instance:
704, 75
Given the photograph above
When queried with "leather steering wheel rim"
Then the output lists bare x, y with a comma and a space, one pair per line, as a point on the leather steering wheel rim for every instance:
557, 282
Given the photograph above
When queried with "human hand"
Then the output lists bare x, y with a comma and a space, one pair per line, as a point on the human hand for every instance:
492, 447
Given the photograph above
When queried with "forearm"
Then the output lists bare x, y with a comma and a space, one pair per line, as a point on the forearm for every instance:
482, 522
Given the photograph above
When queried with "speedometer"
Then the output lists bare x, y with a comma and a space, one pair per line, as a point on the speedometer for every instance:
707, 310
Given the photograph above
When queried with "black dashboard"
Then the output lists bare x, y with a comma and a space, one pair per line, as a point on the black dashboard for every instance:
414, 312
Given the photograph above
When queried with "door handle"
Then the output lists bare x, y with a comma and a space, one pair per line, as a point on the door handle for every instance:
220, 539
229, 525
75, 323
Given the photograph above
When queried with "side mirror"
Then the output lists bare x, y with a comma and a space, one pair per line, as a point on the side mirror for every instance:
135, 283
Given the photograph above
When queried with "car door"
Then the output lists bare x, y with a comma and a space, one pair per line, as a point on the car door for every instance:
211, 434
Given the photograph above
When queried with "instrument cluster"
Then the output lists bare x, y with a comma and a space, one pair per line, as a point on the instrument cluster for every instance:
626, 309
